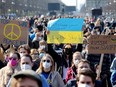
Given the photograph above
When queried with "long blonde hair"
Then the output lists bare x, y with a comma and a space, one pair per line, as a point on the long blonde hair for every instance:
40, 69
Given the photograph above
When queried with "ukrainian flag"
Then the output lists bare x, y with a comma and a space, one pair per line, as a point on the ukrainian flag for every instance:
65, 30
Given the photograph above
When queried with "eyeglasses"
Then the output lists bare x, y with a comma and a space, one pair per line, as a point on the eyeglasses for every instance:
12, 58
46, 61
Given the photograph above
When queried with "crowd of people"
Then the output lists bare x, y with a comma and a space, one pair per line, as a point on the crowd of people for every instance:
39, 64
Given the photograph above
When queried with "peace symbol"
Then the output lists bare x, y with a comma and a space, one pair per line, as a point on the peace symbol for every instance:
12, 31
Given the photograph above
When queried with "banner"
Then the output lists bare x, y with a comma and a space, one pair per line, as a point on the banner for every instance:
65, 30
102, 44
13, 32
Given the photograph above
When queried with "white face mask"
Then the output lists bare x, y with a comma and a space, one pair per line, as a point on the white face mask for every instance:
22, 54
26, 67
84, 85
42, 46
76, 62
46, 65
98, 33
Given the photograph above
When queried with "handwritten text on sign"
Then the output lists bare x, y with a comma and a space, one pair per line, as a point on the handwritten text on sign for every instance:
102, 44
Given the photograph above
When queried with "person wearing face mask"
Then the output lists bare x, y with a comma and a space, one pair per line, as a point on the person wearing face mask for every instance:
27, 64
38, 37
86, 78
82, 64
43, 45
23, 49
48, 71
36, 60
71, 73
66, 60
12, 67
41, 52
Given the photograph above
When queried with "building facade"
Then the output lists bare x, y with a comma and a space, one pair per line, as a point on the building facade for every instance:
108, 6
25, 7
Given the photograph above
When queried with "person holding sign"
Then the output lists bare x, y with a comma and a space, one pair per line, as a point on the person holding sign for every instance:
66, 60
105, 70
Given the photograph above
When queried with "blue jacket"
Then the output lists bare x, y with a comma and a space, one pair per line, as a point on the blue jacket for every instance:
113, 78
44, 81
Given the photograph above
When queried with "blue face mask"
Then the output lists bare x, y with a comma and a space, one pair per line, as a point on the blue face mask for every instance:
39, 38
41, 55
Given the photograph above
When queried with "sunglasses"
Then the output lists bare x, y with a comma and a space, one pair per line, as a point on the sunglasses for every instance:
12, 58
48, 61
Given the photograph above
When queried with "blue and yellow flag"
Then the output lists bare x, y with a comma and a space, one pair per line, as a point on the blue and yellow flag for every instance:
65, 30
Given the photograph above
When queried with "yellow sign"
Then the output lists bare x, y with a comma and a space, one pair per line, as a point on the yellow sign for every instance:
65, 37
12, 35
65, 30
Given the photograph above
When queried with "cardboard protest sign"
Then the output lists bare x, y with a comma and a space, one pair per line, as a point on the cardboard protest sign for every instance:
65, 30
13, 32
102, 44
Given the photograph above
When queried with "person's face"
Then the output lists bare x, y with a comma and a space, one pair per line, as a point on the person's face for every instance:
67, 49
13, 59
22, 52
46, 62
27, 83
76, 58
85, 81
82, 65
26, 60
35, 55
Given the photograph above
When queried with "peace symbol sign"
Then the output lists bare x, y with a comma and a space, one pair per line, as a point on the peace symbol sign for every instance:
12, 31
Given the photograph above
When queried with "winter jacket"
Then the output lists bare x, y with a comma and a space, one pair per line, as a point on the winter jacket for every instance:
56, 80
71, 73
6, 73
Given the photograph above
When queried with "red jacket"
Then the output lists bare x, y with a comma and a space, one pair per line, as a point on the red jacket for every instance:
70, 74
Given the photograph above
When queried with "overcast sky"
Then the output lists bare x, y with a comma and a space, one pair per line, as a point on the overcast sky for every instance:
73, 2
